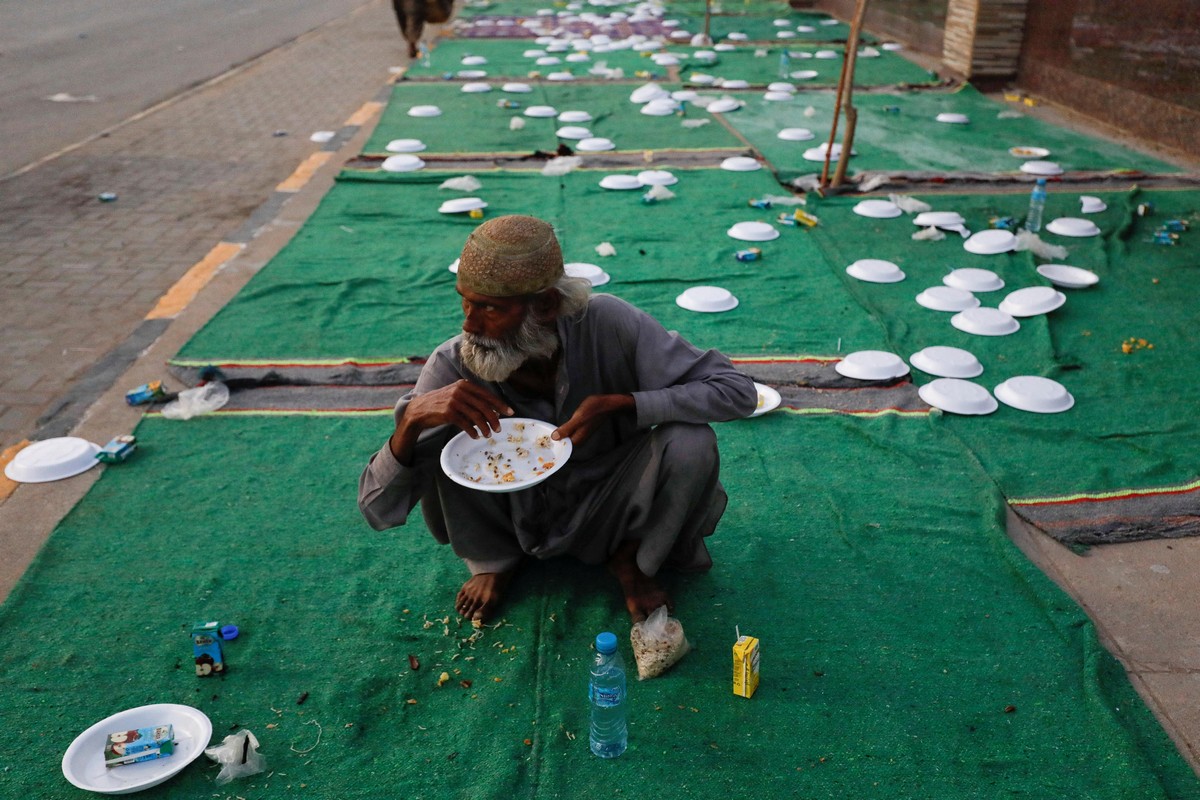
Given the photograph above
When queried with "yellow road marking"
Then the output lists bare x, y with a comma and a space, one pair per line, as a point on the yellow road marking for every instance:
310, 165
364, 114
7, 486
187, 287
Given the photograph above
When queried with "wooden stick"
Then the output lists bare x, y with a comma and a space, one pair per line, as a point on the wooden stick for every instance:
845, 84
851, 59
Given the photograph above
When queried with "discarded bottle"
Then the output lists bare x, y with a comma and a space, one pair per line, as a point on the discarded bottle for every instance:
606, 692
1037, 207
785, 63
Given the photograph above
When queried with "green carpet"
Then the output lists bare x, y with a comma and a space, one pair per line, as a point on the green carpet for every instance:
758, 64
899, 133
909, 650
475, 123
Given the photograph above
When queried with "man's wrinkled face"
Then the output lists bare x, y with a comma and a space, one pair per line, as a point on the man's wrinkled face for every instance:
500, 334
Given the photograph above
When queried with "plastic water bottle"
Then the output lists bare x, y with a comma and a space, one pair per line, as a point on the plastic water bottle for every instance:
1037, 207
606, 691
785, 63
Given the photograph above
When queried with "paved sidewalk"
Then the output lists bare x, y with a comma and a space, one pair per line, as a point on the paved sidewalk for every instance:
80, 275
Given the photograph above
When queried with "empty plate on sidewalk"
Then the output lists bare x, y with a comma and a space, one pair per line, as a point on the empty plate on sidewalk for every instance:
1032, 301
972, 279
871, 365
520, 455
990, 242
1041, 168
1073, 226
985, 322
877, 209
709, 299
1034, 393
753, 231
947, 298
958, 396
768, 400
1068, 277
875, 270
405, 146
947, 362
589, 272
52, 460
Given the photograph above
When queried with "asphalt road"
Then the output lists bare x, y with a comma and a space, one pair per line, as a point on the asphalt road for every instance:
107, 61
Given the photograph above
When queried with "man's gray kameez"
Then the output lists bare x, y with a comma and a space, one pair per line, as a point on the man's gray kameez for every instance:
651, 476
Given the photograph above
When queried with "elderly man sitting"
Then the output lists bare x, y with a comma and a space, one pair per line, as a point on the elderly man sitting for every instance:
641, 488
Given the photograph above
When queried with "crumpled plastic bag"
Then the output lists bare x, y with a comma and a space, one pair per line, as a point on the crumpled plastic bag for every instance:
201, 400
464, 183
1033, 243
910, 204
561, 165
930, 234
238, 756
658, 643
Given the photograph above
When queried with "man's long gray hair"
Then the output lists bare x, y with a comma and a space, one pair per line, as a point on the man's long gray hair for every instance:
496, 359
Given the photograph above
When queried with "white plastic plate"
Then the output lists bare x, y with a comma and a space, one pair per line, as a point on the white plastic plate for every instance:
985, 322
947, 298
405, 146
947, 362
541, 111
958, 396
620, 182
939, 219
1091, 204
424, 111
708, 299
595, 144
723, 105
871, 365
573, 132
574, 116
516, 88
741, 164
52, 460
657, 177
953, 119
753, 231
1024, 151
875, 270
403, 163
1073, 226
795, 135
877, 209
971, 279
1068, 277
990, 242
461, 205
83, 763
768, 400
1034, 393
590, 272
521, 454
1031, 301
1041, 168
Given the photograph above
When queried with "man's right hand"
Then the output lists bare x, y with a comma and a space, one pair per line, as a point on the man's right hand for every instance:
465, 405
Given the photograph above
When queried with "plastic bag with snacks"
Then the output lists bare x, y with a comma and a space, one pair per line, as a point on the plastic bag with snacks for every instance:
238, 756
658, 642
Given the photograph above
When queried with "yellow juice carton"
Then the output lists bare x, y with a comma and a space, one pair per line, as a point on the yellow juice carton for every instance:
745, 665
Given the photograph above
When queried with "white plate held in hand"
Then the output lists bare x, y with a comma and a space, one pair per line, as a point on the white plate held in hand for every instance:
521, 454
768, 400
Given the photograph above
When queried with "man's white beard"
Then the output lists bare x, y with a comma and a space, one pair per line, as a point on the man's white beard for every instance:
495, 359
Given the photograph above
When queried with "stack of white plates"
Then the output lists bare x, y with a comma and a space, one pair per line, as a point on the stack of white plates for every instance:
875, 270
872, 365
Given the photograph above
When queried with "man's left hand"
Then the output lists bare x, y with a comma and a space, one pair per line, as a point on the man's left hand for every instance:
590, 415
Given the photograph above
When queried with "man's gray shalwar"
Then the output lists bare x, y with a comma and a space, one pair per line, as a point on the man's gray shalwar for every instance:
649, 476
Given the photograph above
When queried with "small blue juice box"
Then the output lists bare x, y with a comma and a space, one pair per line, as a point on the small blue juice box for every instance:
141, 744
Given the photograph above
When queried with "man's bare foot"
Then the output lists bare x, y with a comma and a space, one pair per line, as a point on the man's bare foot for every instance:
642, 593
480, 596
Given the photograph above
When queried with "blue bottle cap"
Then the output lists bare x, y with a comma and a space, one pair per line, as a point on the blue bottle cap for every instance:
606, 642
229, 632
